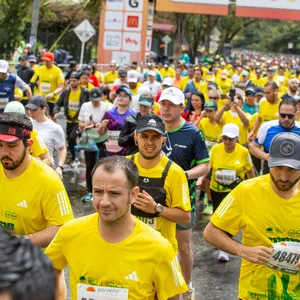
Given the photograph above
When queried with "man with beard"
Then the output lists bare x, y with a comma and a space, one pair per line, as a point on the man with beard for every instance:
293, 90
33, 200
163, 199
286, 123
267, 210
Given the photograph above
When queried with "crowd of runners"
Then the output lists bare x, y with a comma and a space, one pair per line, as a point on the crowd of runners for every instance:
152, 134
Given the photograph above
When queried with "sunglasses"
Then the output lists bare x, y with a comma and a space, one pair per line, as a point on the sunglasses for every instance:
289, 116
226, 138
250, 94
213, 98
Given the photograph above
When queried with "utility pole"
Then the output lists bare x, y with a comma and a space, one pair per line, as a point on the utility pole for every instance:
34, 24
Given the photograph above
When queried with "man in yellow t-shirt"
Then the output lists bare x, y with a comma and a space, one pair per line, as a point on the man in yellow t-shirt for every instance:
33, 200
126, 258
167, 71
72, 99
50, 80
267, 210
111, 75
164, 199
224, 82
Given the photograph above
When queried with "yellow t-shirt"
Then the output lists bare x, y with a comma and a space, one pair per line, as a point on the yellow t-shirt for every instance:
88, 86
265, 218
225, 85
177, 195
229, 117
135, 90
99, 76
254, 117
167, 73
141, 263
238, 162
34, 200
211, 131
268, 111
109, 77
38, 146
74, 103
183, 82
49, 79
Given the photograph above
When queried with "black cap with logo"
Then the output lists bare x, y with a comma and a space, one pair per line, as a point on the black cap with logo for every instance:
285, 151
95, 94
150, 122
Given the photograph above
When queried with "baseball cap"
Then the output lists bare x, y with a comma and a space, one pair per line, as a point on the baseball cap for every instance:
224, 74
122, 72
16, 107
231, 130
124, 88
210, 105
250, 91
23, 57
28, 46
48, 56
3, 66
32, 58
151, 73
212, 86
10, 132
270, 69
132, 79
95, 94
168, 81
75, 75
146, 99
285, 151
150, 122
36, 102
245, 73
172, 94
294, 80
259, 91
210, 77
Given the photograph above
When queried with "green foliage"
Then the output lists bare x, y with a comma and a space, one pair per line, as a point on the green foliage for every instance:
13, 19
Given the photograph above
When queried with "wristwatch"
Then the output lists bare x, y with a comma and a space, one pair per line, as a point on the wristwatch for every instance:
158, 208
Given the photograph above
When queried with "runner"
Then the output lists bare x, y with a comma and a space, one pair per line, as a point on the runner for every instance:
32, 194
185, 146
25, 272
266, 209
8, 83
163, 200
111, 252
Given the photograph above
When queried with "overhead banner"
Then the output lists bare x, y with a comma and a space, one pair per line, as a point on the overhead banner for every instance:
123, 31
206, 7
269, 9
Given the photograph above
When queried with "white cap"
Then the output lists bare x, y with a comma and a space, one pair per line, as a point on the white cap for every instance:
132, 79
294, 80
231, 130
245, 73
28, 46
143, 89
168, 81
15, 106
151, 73
3, 66
172, 94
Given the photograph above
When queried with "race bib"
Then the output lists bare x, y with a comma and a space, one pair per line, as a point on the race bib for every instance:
225, 177
45, 87
285, 257
74, 105
93, 292
113, 136
149, 221
3, 102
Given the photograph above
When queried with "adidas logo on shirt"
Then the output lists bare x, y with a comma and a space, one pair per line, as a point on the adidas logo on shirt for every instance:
132, 276
23, 204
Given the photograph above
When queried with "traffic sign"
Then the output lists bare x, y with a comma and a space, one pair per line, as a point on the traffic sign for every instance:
166, 39
84, 31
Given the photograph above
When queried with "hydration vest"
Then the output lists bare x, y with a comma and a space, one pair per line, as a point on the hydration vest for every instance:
155, 188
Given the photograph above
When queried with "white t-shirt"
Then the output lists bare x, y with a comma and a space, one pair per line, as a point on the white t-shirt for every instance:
155, 87
87, 109
51, 133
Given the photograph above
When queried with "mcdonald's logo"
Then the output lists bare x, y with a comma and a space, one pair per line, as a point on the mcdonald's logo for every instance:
133, 21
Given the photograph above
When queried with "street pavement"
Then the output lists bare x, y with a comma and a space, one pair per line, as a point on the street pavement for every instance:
212, 280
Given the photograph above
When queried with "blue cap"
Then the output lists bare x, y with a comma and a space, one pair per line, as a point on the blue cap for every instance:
210, 105
124, 88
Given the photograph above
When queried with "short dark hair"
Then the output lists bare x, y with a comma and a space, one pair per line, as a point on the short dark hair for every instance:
16, 119
114, 163
25, 272
288, 101
273, 84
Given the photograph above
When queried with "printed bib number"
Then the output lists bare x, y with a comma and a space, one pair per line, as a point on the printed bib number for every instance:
285, 257
3, 102
149, 221
225, 177
88, 292
74, 105
45, 87
112, 141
